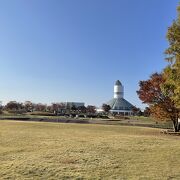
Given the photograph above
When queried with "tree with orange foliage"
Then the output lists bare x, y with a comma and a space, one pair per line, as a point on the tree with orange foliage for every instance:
160, 103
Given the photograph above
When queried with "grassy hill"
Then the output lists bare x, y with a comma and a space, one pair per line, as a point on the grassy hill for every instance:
38, 150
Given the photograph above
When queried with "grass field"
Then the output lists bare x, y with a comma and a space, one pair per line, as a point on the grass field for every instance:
36, 150
130, 121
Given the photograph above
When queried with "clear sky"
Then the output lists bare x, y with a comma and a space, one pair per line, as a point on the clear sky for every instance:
74, 50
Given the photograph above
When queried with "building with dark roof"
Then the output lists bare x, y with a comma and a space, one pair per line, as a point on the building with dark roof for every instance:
118, 83
118, 104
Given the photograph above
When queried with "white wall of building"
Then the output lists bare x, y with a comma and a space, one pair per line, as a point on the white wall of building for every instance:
118, 91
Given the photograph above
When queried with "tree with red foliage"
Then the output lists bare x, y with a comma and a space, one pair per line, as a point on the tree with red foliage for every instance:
40, 107
57, 107
91, 109
106, 108
147, 112
160, 104
137, 111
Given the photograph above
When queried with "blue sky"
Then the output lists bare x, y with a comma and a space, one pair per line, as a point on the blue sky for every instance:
74, 50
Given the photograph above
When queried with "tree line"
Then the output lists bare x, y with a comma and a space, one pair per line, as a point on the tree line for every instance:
55, 108
61, 108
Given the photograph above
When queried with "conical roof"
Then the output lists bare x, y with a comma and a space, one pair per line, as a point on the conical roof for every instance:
120, 104
118, 83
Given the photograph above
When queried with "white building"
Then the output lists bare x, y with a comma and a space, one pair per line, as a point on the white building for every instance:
118, 104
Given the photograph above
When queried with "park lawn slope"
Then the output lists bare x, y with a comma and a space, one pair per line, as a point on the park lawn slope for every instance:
38, 150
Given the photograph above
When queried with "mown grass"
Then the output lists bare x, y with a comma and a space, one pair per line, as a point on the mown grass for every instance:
33, 150
130, 121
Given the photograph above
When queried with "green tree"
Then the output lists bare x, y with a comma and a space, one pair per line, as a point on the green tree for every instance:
172, 71
13, 105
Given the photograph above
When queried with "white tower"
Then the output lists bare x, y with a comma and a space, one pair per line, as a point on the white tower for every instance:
118, 90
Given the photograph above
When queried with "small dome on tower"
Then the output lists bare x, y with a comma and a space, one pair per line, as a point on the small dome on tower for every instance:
118, 83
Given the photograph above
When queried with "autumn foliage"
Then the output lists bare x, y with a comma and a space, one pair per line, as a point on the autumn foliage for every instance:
161, 105
172, 71
150, 90
162, 91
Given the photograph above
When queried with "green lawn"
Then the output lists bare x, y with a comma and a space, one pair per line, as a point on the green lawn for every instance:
36, 150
